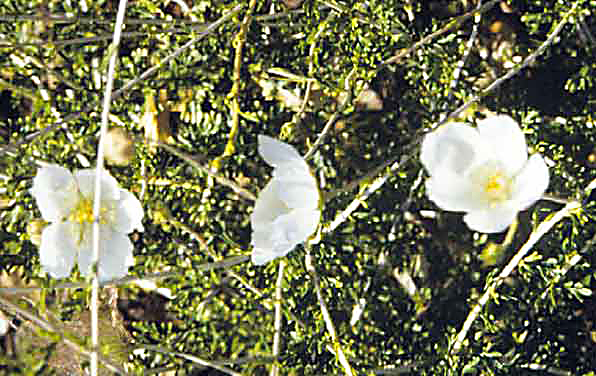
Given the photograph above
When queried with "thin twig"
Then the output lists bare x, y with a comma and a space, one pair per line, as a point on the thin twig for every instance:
113, 57
335, 116
120, 92
73, 41
450, 25
238, 43
193, 359
57, 18
61, 19
469, 45
584, 32
381, 180
362, 196
329, 195
515, 70
572, 261
542, 229
343, 360
277, 322
311, 65
45, 325
238, 277
223, 264
206, 170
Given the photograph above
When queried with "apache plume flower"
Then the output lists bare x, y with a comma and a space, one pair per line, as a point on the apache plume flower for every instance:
484, 172
286, 212
66, 201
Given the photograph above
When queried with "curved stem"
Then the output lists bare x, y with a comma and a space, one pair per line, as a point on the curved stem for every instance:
542, 229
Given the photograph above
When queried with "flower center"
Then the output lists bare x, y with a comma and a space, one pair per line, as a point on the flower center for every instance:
83, 212
493, 184
497, 188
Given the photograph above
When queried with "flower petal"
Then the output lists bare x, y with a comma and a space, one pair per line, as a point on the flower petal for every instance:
115, 255
506, 141
58, 249
301, 193
55, 192
491, 220
454, 192
531, 183
277, 153
4, 325
263, 249
128, 213
268, 207
285, 233
454, 146
299, 224
110, 190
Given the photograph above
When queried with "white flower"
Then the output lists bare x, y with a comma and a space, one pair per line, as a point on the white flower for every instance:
66, 200
4, 324
286, 212
484, 172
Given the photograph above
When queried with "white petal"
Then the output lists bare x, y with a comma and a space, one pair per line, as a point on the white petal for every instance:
268, 207
506, 142
299, 224
110, 191
128, 213
491, 220
277, 153
454, 146
454, 192
4, 325
299, 194
58, 249
55, 192
531, 183
263, 249
115, 255
284, 234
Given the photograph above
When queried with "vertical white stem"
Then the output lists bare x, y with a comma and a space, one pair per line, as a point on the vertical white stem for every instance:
113, 55
277, 324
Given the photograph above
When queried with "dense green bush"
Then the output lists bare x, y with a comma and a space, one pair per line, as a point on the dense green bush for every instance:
539, 320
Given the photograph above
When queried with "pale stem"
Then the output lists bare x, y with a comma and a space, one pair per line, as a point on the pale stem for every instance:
343, 360
457, 21
210, 172
118, 93
223, 264
360, 198
515, 70
48, 327
542, 229
381, 180
193, 359
277, 323
311, 66
238, 277
572, 261
469, 46
113, 52
335, 116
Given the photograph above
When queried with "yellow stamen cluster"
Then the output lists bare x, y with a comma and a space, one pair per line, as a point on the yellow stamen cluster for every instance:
497, 188
83, 212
